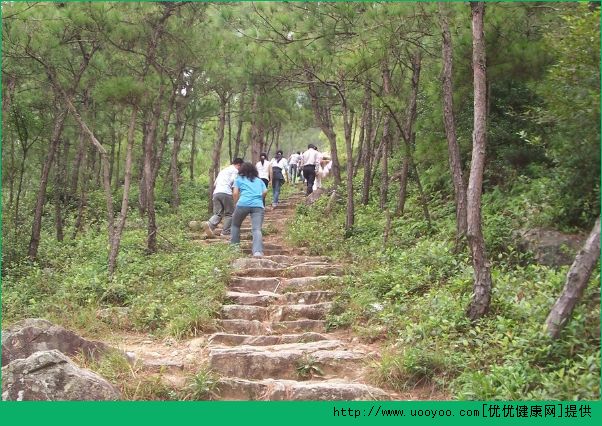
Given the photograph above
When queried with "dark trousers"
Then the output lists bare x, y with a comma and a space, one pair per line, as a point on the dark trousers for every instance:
309, 172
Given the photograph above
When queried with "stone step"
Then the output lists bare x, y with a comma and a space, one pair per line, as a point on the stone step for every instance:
255, 327
235, 389
307, 283
296, 271
266, 298
266, 246
255, 299
246, 312
257, 263
293, 362
254, 284
293, 260
275, 339
312, 269
268, 252
297, 312
299, 326
240, 326
309, 297
161, 365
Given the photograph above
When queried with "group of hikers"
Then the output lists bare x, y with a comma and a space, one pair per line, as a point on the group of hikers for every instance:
241, 188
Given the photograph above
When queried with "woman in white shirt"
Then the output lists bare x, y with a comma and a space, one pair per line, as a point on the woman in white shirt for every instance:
263, 168
279, 171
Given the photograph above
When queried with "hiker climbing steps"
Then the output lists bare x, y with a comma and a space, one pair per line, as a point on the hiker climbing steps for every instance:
272, 342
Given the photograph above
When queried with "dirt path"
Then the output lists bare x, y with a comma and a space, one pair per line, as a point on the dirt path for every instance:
273, 342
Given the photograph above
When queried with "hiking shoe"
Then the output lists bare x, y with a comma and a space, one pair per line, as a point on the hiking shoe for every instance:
208, 230
258, 254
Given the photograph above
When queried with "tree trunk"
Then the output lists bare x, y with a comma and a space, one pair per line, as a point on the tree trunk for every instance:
81, 207
59, 191
366, 111
34, 242
384, 179
257, 130
148, 176
77, 163
114, 138
165, 130
127, 179
81, 147
177, 141
239, 128
482, 284
323, 118
229, 121
103, 159
347, 123
450, 128
117, 170
193, 148
422, 195
407, 133
20, 187
368, 154
575, 284
403, 185
217, 147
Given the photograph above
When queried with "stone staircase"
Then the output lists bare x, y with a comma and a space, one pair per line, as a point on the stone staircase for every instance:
273, 343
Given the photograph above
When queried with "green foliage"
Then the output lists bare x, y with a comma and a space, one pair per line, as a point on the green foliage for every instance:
202, 385
177, 291
414, 292
308, 367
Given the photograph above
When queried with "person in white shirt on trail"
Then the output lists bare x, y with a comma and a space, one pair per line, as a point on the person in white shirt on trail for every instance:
223, 203
310, 159
293, 162
264, 169
279, 175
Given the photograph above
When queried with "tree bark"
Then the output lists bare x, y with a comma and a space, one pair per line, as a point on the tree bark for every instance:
450, 128
217, 147
59, 191
347, 123
384, 179
323, 119
177, 141
422, 195
368, 140
257, 129
34, 242
193, 148
116, 237
239, 128
229, 121
403, 185
81, 207
103, 159
407, 133
575, 284
482, 284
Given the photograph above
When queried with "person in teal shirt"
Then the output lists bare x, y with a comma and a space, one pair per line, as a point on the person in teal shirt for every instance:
249, 196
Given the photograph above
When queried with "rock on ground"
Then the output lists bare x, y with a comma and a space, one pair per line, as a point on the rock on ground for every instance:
52, 376
32, 335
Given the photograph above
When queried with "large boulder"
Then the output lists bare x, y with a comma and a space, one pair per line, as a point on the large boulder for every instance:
550, 247
52, 376
32, 335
